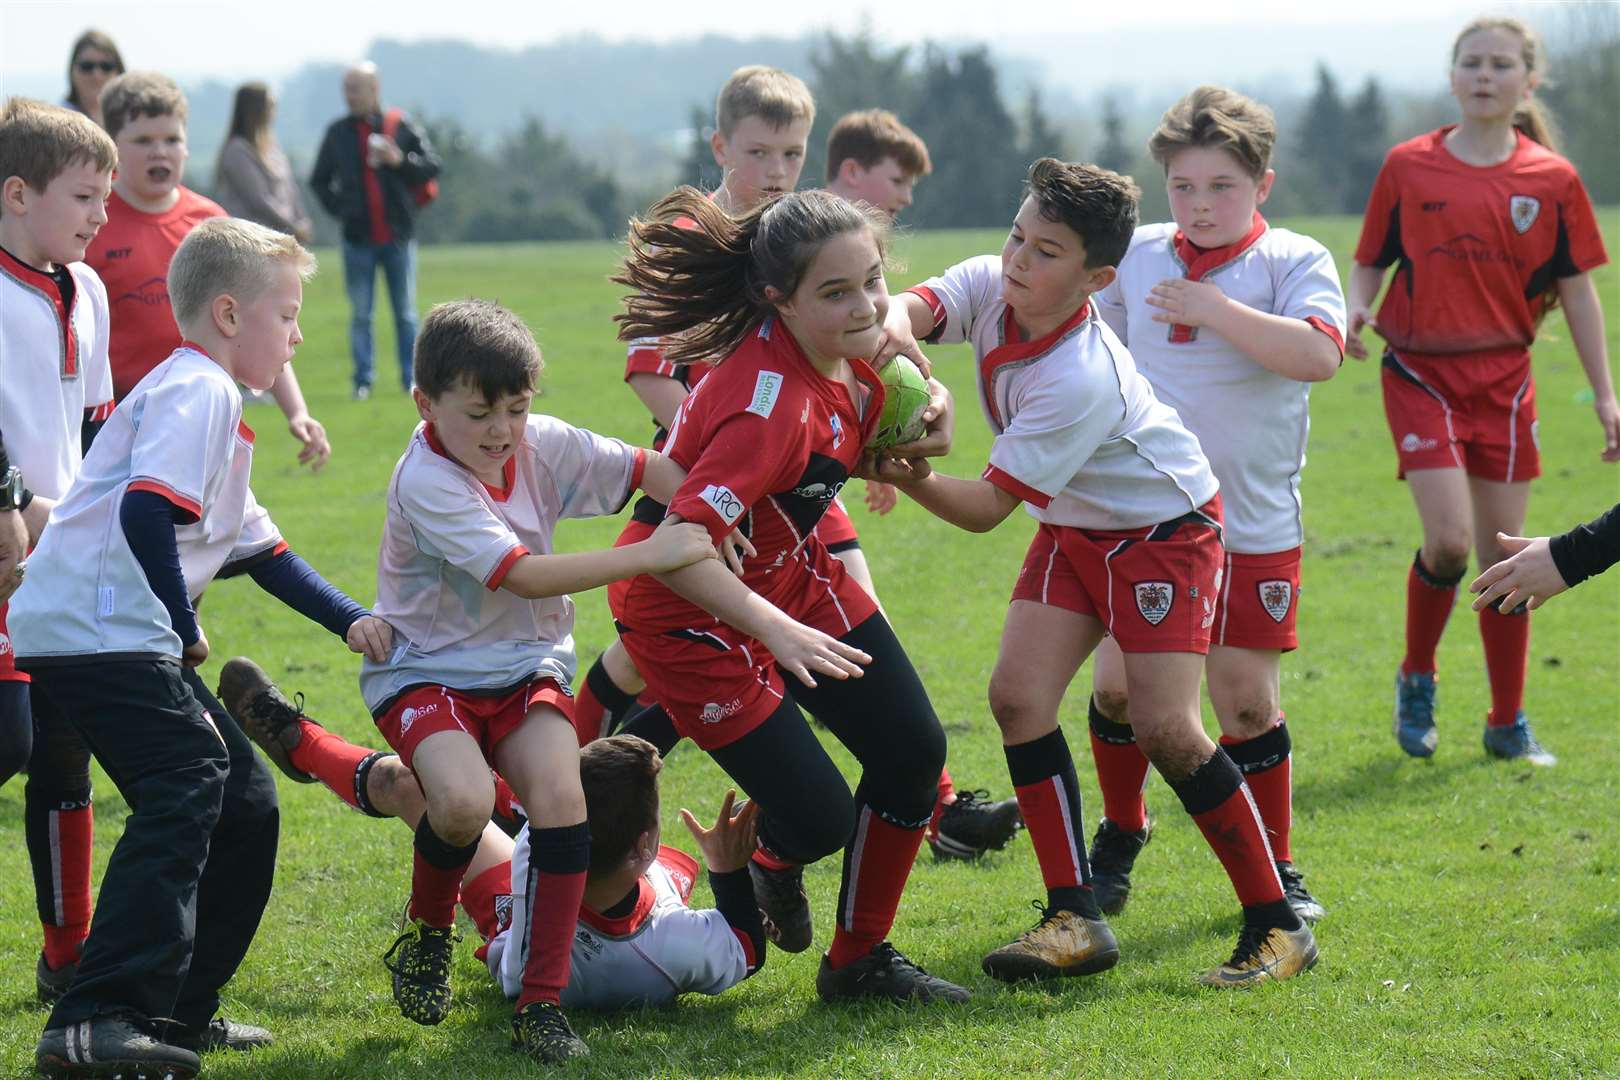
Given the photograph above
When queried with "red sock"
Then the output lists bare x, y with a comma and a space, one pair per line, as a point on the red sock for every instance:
72, 847
436, 874
1049, 797
1122, 771
329, 758
1266, 762
1216, 797
1507, 652
1429, 600
947, 789
877, 862
558, 860
481, 900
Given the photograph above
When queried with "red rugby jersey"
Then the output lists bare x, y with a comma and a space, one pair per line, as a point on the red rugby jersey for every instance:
1476, 247
767, 442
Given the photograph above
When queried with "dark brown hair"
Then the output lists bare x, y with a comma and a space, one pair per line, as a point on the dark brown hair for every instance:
872, 135
39, 142
250, 114
619, 775
700, 275
1220, 119
1099, 205
478, 343
90, 39
137, 94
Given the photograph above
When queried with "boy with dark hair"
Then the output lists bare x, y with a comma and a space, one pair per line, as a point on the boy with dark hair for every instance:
480, 678
149, 214
636, 943
1228, 318
873, 158
1128, 545
111, 644
56, 170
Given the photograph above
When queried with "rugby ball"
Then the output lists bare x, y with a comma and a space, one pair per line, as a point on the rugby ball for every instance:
905, 398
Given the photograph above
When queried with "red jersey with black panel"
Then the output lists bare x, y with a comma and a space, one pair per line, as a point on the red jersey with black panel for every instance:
1475, 248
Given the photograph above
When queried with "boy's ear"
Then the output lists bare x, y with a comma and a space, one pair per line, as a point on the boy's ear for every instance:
850, 170
717, 146
1263, 192
226, 313
13, 195
424, 404
1100, 278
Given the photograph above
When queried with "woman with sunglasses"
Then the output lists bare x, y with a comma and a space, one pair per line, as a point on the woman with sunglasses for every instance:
95, 60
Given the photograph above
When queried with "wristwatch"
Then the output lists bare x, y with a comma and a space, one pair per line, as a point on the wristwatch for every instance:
11, 489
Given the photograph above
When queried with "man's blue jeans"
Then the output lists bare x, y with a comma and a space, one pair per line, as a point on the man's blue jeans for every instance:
398, 262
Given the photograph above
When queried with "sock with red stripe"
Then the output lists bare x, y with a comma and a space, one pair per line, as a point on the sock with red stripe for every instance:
1216, 798
481, 900
1122, 771
1507, 653
558, 860
598, 703
61, 843
335, 762
1048, 794
877, 861
1266, 762
436, 875
1429, 600
947, 791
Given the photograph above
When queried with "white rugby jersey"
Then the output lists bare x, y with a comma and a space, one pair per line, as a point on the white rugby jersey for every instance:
54, 372
179, 434
1252, 422
661, 950
1079, 435
449, 540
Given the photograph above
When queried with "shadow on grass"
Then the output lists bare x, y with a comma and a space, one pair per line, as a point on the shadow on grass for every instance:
1388, 781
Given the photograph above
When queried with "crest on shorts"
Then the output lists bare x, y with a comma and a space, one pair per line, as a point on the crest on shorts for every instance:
1153, 600
503, 911
1523, 209
1277, 596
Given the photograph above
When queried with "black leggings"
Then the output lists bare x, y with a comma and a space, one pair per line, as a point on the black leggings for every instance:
886, 721
16, 729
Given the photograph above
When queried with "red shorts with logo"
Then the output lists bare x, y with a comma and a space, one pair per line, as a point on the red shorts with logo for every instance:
8, 659
1258, 602
836, 530
718, 684
1472, 412
1153, 588
488, 717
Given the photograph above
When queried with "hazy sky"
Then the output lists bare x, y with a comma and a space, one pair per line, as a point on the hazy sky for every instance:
233, 39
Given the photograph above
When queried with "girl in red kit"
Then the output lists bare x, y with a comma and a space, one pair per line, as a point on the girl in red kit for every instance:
1489, 229
786, 293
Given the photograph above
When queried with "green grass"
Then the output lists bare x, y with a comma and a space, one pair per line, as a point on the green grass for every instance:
1474, 907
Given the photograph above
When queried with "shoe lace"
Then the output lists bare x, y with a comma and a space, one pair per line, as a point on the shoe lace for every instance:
543, 1022
1250, 938
1291, 878
893, 959
429, 960
275, 711
1111, 850
973, 801
1417, 700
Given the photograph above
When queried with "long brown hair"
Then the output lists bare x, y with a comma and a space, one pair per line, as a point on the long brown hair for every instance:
702, 281
90, 39
1530, 116
250, 115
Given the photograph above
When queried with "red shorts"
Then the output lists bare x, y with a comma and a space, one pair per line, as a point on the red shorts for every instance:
1258, 601
8, 659
836, 530
488, 717
718, 684
1476, 413
1153, 588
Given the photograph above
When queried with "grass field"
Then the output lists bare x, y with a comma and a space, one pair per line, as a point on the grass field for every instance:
1474, 907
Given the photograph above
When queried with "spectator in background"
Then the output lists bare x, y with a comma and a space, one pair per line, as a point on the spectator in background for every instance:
371, 166
254, 179
91, 65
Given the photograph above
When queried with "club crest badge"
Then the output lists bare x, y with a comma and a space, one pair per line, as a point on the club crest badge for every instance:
503, 911
1277, 597
1153, 600
1523, 209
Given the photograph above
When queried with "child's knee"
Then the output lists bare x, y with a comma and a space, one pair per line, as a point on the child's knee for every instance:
460, 812
1115, 705
810, 833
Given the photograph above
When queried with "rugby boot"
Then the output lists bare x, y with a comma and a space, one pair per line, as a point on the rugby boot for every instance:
783, 906
971, 825
1299, 898
1516, 742
541, 1031
1113, 854
884, 973
264, 712
1265, 953
420, 962
122, 1044
1414, 713
220, 1034
1063, 943
51, 983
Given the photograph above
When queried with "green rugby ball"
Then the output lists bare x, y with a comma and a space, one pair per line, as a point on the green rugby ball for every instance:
905, 398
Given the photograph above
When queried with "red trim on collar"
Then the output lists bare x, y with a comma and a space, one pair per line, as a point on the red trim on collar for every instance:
681, 867
1199, 263
47, 284
508, 470
1015, 348
629, 924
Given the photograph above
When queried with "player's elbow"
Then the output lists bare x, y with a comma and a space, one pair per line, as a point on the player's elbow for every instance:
1322, 360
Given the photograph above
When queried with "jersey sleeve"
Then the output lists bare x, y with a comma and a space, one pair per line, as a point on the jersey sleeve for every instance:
1580, 243
98, 386
1310, 290
258, 534
179, 468
959, 295
742, 459
594, 474
646, 357
1380, 243
699, 950
1055, 429
449, 522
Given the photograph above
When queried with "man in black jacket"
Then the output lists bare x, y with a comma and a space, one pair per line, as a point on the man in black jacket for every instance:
371, 174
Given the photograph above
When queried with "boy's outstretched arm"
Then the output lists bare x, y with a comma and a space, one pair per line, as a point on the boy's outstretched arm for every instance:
286, 576
974, 505
726, 849
671, 546
910, 320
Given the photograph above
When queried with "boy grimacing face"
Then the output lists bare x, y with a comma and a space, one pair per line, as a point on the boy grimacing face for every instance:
266, 328
759, 160
1044, 278
479, 434
151, 161
56, 225
1212, 197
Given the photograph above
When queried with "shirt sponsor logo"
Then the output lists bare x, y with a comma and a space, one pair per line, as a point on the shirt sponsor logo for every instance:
1523, 209
1412, 443
767, 387
1472, 249
819, 492
1276, 596
837, 431
120, 253
723, 502
412, 714
1154, 600
714, 712
151, 292
1435, 207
